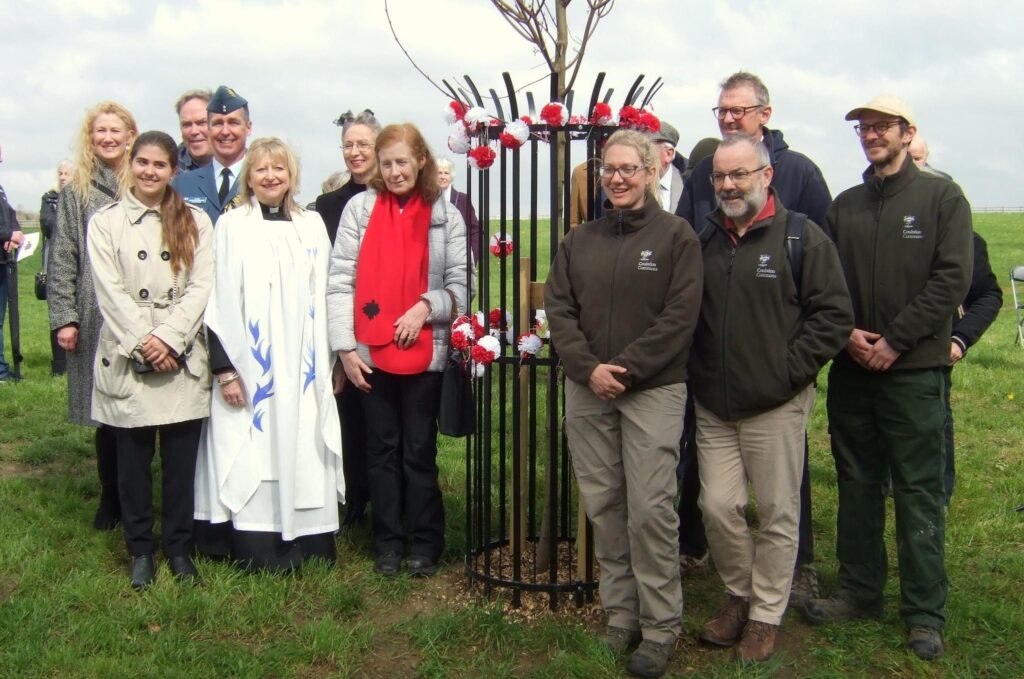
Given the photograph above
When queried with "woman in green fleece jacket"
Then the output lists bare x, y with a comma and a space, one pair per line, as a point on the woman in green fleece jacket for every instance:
622, 300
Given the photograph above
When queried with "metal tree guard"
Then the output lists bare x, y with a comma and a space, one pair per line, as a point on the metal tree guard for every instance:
525, 528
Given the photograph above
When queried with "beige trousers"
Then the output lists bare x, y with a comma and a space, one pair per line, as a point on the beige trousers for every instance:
624, 453
766, 451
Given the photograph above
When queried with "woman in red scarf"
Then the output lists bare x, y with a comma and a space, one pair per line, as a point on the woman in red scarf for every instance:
397, 278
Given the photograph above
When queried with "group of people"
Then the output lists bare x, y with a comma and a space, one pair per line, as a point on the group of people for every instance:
692, 325
197, 303
290, 359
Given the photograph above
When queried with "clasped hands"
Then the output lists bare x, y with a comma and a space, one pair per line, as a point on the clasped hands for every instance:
870, 350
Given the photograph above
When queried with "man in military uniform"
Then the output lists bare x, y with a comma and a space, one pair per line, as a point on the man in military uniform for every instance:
212, 187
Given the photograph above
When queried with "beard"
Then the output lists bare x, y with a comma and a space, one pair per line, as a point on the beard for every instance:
750, 203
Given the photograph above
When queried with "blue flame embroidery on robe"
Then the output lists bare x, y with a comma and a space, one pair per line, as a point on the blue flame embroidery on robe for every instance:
310, 373
263, 391
257, 345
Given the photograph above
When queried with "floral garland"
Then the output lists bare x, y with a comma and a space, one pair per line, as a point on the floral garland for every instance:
467, 127
501, 245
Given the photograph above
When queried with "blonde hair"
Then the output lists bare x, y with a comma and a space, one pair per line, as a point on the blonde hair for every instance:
644, 147
272, 147
85, 165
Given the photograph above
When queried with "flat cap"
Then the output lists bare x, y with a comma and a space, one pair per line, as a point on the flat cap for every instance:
666, 133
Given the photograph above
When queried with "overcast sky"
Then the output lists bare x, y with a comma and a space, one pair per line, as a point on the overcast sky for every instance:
301, 63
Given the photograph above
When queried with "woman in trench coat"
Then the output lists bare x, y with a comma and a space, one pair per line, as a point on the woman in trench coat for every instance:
152, 263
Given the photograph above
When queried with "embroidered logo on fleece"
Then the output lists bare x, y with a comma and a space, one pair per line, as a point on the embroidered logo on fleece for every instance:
910, 230
764, 268
645, 263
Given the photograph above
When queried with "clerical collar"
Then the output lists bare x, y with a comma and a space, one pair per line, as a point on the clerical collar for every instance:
274, 213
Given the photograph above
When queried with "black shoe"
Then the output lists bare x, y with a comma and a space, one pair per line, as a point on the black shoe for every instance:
143, 571
388, 564
183, 570
421, 565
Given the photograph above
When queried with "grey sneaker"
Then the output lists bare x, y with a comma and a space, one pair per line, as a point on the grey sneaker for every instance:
651, 659
805, 586
619, 639
838, 608
692, 564
925, 642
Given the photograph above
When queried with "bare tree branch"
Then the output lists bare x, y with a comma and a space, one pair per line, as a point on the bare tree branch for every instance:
409, 57
535, 22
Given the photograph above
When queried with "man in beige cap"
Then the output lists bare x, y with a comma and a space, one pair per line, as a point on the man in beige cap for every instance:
904, 239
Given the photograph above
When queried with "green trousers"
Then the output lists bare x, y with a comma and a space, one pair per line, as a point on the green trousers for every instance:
881, 422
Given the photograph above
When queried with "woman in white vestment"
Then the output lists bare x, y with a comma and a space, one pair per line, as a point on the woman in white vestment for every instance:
268, 480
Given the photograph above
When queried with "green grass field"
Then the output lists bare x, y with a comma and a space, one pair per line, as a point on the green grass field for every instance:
66, 609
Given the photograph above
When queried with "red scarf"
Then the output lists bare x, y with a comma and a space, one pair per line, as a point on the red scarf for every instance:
391, 274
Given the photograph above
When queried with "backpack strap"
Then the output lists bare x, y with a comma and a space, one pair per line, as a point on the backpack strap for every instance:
795, 246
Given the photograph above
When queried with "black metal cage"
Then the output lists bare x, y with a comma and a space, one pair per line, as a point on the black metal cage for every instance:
525, 528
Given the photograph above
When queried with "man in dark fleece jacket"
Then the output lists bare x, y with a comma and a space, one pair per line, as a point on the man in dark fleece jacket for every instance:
761, 339
744, 107
904, 239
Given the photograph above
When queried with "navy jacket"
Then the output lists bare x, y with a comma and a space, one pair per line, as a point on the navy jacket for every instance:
199, 188
983, 301
798, 183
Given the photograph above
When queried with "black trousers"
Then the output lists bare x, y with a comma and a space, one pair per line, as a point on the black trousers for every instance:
401, 447
353, 442
692, 540
179, 444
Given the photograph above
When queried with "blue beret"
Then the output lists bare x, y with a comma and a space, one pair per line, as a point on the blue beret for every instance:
225, 100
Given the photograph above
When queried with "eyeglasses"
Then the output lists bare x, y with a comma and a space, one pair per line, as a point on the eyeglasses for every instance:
879, 128
626, 171
363, 147
736, 111
736, 176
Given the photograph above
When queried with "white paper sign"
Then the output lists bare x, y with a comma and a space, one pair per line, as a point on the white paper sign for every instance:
29, 245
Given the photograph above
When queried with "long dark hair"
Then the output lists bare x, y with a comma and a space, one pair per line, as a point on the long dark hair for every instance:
178, 226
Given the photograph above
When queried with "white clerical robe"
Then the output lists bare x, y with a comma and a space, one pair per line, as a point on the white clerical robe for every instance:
275, 464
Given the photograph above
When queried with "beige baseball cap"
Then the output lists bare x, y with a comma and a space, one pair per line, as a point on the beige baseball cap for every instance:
885, 103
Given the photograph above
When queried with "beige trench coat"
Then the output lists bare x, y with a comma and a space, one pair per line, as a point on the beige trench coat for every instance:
139, 294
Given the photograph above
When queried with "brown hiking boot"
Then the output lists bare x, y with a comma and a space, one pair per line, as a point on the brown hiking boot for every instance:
619, 639
651, 659
839, 608
726, 627
925, 642
805, 586
758, 642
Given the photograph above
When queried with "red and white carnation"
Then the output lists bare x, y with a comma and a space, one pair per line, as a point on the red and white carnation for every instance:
476, 118
454, 112
482, 157
515, 135
458, 140
501, 245
528, 344
602, 114
555, 114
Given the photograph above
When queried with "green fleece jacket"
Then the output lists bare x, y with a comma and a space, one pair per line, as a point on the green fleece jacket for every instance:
625, 289
757, 342
905, 243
